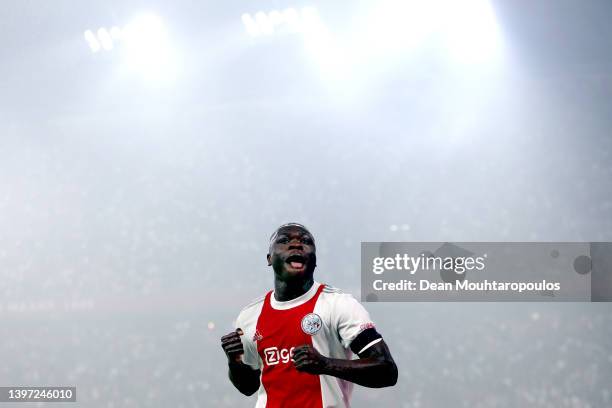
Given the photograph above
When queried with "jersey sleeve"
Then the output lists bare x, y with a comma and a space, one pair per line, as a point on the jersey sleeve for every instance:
250, 356
350, 319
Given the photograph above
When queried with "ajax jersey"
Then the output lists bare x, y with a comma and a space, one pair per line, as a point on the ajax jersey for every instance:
323, 317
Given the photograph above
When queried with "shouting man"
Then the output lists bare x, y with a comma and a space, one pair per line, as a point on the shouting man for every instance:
294, 345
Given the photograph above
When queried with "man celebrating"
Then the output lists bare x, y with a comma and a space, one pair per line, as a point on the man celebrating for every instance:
294, 345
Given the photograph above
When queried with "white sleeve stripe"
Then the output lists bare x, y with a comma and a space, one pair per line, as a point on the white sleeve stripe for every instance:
370, 344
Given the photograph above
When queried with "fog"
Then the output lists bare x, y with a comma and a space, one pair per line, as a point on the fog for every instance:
135, 211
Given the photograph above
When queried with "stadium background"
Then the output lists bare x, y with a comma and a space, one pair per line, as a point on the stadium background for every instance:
134, 214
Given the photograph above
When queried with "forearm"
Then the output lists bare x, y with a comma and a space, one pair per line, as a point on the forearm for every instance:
244, 378
368, 372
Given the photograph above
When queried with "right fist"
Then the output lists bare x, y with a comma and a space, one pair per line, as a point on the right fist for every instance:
232, 345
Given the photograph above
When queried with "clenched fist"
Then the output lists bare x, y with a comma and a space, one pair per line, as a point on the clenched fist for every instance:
309, 360
232, 345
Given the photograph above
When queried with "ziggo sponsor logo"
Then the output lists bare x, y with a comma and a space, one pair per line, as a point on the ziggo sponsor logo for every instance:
274, 356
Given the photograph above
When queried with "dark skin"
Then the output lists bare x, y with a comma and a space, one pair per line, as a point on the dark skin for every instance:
293, 258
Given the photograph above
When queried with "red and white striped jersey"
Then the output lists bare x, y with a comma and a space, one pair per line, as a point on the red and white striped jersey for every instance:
324, 317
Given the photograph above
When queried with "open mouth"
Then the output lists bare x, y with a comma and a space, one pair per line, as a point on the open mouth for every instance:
296, 261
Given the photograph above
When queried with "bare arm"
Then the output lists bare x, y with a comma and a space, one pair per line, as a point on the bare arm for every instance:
375, 367
244, 378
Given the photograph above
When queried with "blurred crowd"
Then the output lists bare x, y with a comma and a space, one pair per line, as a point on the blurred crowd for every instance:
463, 355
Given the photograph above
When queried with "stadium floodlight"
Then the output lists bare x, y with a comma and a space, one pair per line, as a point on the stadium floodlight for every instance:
250, 25
145, 34
318, 39
144, 45
286, 21
275, 18
147, 47
105, 39
92, 41
322, 46
102, 39
263, 23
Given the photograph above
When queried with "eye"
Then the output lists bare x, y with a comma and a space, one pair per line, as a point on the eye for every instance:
307, 240
282, 240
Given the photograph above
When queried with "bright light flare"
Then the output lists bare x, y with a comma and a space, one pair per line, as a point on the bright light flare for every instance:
322, 46
92, 41
472, 32
250, 24
115, 33
397, 26
291, 19
263, 23
105, 39
147, 47
468, 28
276, 18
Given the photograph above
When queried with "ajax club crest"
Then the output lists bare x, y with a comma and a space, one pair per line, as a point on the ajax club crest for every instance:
311, 323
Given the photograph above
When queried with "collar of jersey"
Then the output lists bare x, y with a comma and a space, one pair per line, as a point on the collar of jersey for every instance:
300, 300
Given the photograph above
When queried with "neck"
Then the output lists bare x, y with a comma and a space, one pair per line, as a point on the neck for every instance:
284, 291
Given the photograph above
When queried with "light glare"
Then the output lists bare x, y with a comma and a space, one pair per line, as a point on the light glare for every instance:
115, 33
147, 48
105, 39
92, 41
276, 18
472, 32
292, 19
263, 23
250, 25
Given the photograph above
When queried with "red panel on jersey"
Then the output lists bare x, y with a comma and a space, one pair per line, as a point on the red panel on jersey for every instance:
281, 330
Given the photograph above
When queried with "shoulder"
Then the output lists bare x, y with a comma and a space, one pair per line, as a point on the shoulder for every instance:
339, 300
337, 295
328, 289
255, 303
345, 310
251, 311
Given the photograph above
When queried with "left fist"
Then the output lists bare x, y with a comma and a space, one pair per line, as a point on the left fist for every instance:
309, 360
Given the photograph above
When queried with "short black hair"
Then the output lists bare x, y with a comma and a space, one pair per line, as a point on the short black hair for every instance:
289, 224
